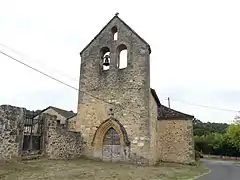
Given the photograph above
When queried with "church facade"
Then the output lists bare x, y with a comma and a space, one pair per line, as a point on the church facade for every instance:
119, 115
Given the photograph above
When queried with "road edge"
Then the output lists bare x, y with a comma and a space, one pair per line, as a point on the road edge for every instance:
198, 176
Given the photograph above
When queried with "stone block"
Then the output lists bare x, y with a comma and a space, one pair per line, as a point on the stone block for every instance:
140, 144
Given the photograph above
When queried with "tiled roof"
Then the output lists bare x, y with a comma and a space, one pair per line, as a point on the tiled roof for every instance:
168, 113
64, 113
165, 113
71, 116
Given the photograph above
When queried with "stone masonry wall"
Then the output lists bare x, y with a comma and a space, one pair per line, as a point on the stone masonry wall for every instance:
153, 129
71, 123
61, 143
175, 141
58, 143
91, 119
11, 131
128, 89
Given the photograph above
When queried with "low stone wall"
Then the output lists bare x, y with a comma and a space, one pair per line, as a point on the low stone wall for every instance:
61, 143
11, 131
56, 142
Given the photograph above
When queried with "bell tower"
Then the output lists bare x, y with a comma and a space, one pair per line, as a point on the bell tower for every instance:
111, 87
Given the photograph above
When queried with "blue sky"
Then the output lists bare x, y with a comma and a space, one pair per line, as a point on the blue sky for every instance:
195, 50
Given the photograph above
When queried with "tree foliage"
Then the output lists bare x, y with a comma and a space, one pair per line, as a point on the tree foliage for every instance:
233, 132
217, 138
200, 128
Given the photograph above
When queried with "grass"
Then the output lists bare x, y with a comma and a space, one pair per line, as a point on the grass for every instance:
94, 170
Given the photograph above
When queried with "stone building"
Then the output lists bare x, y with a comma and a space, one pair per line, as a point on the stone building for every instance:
61, 114
119, 115
23, 137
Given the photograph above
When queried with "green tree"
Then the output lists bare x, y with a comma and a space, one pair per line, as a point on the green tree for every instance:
217, 138
233, 133
200, 128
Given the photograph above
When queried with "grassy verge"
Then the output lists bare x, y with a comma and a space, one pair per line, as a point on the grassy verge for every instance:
88, 169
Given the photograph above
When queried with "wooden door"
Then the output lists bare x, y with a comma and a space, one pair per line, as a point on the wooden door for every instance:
111, 146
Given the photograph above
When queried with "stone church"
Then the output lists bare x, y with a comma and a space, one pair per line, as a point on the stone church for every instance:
119, 115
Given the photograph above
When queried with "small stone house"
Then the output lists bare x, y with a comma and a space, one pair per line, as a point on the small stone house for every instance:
119, 115
62, 115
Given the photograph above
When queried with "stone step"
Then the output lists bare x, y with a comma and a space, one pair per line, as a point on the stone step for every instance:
31, 157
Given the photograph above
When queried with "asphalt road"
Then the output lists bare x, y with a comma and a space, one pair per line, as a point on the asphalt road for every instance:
221, 170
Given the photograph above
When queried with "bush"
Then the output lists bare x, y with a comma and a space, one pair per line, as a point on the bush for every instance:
198, 155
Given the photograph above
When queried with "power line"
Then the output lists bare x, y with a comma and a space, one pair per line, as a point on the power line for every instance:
205, 106
38, 71
53, 78
22, 54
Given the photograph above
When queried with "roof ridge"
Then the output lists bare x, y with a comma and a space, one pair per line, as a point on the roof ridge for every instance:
134, 32
62, 112
116, 16
155, 96
58, 108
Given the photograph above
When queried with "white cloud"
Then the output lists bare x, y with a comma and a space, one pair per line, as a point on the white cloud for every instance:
195, 46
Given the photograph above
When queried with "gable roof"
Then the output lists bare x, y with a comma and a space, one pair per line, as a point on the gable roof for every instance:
155, 97
72, 116
165, 113
62, 112
116, 17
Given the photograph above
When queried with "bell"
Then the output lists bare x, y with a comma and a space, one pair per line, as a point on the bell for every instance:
106, 60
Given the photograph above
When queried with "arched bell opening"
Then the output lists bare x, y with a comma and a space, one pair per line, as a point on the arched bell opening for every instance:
105, 58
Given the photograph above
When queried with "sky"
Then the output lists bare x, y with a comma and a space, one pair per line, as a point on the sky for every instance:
195, 55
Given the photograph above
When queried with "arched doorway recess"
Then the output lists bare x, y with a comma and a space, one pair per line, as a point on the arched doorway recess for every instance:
110, 141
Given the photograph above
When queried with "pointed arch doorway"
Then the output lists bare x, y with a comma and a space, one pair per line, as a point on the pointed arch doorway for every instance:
110, 141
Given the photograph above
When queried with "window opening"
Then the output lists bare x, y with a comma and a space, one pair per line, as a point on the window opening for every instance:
122, 56
115, 33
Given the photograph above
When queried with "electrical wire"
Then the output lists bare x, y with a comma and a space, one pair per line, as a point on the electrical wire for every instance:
52, 69
204, 106
53, 78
